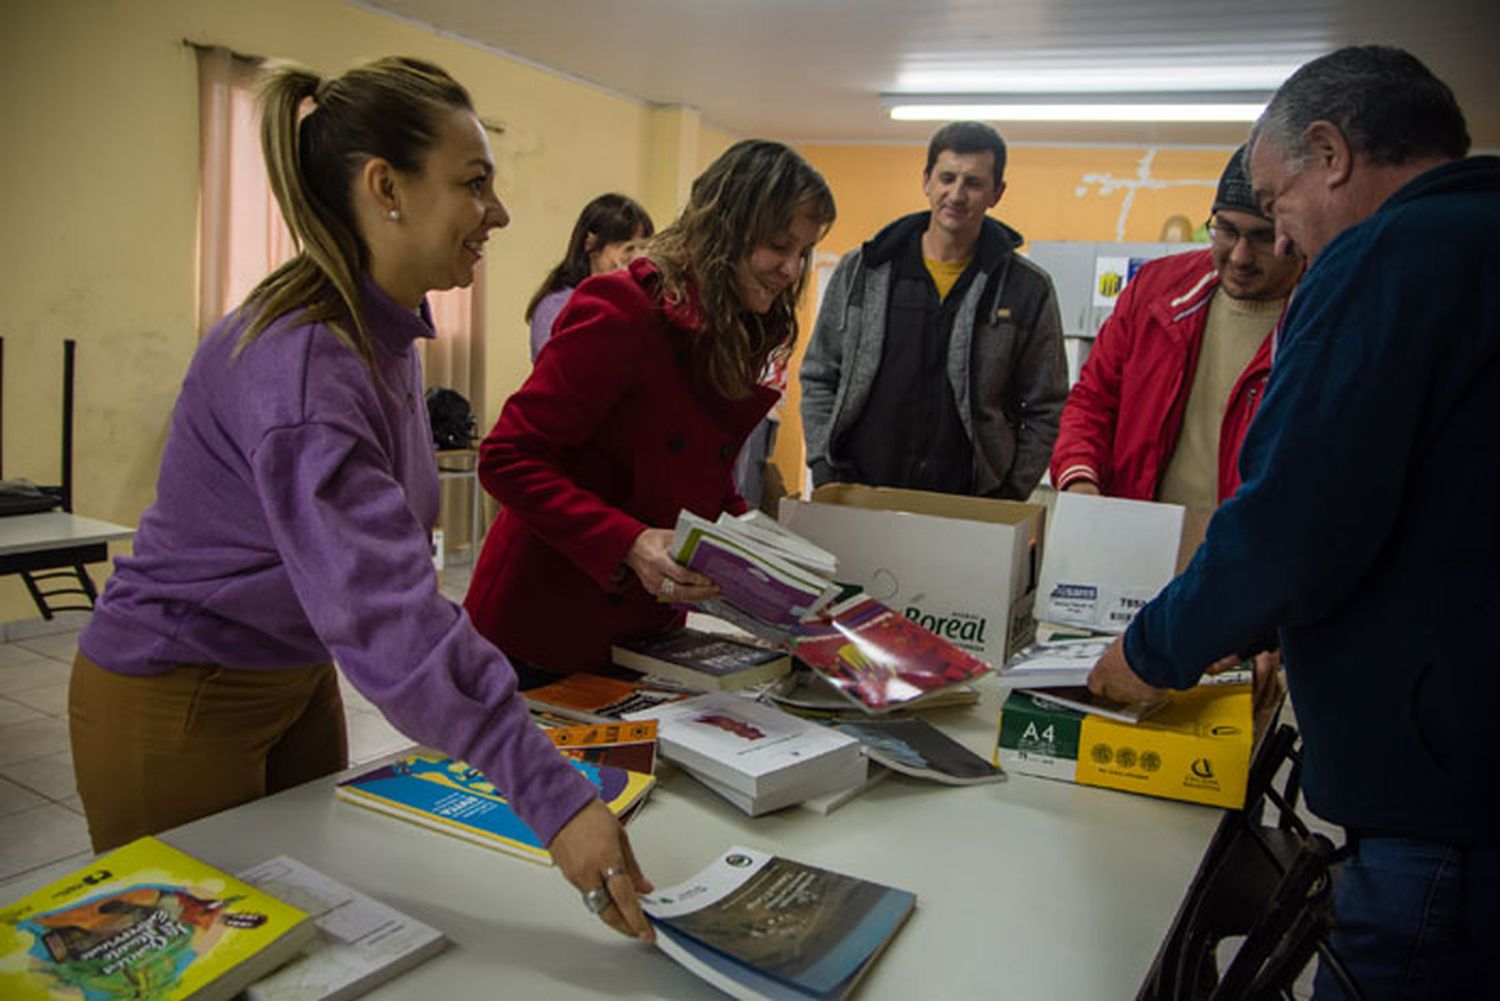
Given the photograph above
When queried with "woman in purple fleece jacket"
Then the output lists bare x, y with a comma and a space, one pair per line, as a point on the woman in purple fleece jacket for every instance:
296, 496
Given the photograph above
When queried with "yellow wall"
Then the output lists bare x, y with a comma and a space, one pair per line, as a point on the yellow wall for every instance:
101, 183
1052, 193
101, 187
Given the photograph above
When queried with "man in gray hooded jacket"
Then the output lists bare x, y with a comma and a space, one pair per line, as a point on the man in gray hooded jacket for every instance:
936, 362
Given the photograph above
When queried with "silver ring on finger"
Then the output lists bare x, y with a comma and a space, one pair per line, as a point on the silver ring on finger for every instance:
597, 900
668, 586
612, 872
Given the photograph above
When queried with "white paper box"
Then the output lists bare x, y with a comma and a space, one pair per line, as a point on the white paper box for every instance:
964, 567
1106, 557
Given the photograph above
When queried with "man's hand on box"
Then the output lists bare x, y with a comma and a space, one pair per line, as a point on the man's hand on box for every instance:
1113, 678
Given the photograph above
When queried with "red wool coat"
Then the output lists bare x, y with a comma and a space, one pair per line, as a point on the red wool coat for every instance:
607, 437
1121, 422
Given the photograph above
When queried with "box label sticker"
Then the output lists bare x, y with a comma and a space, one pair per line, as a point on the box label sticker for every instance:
1073, 603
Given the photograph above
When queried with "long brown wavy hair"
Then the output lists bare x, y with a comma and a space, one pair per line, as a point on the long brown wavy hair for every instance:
748, 197
391, 108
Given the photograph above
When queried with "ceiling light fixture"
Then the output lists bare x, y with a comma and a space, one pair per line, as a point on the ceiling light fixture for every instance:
1218, 106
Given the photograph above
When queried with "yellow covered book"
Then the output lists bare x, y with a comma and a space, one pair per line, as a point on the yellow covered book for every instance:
145, 922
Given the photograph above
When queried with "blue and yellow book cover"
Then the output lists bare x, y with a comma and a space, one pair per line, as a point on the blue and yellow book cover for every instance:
145, 922
451, 796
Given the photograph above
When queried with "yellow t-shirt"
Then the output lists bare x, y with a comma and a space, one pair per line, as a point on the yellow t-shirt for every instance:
945, 274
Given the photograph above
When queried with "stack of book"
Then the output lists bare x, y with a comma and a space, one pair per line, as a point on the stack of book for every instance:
594, 698
772, 585
701, 661
770, 580
756, 756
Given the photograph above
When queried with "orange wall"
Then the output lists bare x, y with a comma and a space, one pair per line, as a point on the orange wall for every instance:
1052, 193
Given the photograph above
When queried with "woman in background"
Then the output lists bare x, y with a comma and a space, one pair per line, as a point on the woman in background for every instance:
295, 503
609, 233
636, 411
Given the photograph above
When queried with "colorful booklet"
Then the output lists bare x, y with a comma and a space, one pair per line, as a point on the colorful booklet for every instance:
619, 744
595, 698
806, 692
145, 921
361, 942
916, 747
760, 926
435, 791
881, 659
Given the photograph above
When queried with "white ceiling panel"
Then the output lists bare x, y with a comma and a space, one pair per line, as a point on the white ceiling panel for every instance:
815, 70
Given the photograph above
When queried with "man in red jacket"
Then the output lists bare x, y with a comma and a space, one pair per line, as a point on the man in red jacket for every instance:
1176, 372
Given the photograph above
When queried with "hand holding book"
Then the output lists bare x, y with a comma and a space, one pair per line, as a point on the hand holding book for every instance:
1114, 678
650, 558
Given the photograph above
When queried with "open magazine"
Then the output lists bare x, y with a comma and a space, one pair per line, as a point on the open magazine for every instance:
880, 658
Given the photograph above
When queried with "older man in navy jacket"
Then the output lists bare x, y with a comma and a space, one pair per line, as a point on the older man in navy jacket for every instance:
1365, 533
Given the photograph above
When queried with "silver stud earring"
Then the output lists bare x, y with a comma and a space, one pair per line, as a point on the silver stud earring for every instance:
394, 215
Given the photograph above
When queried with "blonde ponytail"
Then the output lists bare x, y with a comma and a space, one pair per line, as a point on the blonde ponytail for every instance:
390, 108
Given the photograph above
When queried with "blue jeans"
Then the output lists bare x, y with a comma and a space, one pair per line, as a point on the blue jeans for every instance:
1416, 919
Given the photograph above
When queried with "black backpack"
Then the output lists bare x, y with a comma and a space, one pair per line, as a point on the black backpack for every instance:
451, 418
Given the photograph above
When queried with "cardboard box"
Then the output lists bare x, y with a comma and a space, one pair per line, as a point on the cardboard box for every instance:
1196, 749
964, 567
1106, 557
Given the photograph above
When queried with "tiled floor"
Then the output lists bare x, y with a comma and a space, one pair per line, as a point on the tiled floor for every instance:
41, 820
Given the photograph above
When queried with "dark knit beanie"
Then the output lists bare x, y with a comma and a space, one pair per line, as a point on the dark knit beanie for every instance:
1234, 188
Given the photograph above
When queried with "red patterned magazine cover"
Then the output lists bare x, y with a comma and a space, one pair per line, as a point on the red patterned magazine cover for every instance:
880, 658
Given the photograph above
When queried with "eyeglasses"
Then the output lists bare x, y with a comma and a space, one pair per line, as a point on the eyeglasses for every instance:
1225, 235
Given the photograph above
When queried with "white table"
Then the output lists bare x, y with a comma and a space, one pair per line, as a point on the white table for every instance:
1028, 889
37, 545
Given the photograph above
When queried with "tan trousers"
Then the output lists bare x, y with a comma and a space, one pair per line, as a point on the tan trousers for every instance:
156, 751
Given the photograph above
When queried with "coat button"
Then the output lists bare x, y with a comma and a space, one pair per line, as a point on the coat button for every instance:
726, 452
675, 443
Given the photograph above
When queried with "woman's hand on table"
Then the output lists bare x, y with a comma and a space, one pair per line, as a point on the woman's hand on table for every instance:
650, 557
594, 854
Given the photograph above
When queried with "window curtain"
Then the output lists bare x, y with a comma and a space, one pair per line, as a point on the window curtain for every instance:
241, 237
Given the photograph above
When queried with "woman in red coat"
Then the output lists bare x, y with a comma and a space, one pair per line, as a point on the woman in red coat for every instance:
636, 411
